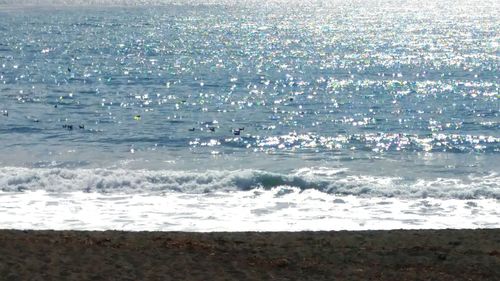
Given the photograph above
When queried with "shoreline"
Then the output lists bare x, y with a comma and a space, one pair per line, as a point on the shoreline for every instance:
450, 254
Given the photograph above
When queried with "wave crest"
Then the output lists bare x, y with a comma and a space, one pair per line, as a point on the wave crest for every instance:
332, 181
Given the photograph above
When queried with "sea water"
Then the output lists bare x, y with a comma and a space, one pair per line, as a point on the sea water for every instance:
243, 115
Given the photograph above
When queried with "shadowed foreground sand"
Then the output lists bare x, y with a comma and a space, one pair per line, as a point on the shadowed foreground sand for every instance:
375, 255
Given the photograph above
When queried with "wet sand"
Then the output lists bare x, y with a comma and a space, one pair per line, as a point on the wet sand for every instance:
344, 255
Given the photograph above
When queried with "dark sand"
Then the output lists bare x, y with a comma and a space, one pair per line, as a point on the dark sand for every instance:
367, 255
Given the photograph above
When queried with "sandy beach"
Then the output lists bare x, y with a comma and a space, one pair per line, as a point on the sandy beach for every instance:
344, 255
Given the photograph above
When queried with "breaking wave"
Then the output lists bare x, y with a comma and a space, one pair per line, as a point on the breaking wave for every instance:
331, 181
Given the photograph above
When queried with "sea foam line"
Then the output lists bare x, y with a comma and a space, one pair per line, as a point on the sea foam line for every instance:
257, 210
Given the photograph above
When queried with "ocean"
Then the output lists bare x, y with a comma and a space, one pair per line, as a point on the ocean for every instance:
243, 116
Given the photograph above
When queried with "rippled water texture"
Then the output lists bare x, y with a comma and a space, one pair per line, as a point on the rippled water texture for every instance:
323, 78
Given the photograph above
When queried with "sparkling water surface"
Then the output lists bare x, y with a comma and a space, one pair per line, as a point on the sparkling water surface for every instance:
351, 99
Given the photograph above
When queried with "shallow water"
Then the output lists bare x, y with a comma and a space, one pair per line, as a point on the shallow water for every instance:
375, 100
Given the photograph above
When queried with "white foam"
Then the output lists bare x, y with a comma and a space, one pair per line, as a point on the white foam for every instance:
256, 210
327, 180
